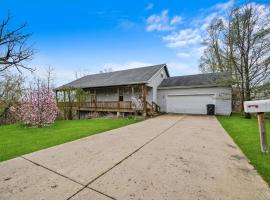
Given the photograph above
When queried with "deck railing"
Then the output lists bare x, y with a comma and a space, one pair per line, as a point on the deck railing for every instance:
100, 105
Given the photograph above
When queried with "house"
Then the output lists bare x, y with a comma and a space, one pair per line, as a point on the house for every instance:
151, 89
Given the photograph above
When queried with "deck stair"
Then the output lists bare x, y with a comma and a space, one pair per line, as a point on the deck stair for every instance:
153, 109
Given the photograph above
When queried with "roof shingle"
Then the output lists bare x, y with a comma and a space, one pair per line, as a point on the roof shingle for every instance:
208, 79
123, 77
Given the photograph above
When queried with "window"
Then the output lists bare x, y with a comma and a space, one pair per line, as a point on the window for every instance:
162, 75
121, 98
121, 94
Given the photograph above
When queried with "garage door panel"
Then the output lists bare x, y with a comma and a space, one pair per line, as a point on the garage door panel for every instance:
189, 104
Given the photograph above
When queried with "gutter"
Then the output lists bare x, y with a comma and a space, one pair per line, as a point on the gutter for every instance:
193, 86
99, 86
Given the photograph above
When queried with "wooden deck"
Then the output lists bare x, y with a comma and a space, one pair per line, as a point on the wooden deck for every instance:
105, 106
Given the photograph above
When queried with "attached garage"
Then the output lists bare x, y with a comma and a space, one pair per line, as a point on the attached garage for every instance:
191, 104
191, 94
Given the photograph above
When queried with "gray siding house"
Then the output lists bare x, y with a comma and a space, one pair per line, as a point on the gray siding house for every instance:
151, 89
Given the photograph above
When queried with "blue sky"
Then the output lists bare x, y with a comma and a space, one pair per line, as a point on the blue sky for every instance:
87, 36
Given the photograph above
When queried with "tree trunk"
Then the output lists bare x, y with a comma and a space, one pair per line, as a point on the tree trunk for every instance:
247, 89
242, 94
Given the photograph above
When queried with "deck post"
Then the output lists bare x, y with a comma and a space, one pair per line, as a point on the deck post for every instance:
65, 105
79, 104
56, 98
56, 95
95, 99
132, 91
144, 87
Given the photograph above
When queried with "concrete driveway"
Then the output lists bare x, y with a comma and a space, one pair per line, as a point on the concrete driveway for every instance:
168, 157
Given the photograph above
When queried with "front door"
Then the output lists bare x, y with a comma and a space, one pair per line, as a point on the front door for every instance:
121, 94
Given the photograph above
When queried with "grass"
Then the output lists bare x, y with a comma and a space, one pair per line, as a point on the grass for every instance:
16, 139
245, 133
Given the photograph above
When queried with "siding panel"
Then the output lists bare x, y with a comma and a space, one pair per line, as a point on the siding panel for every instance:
222, 97
155, 81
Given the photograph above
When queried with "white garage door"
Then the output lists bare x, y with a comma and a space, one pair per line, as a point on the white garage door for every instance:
189, 104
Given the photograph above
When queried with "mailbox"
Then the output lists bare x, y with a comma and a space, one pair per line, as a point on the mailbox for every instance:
259, 106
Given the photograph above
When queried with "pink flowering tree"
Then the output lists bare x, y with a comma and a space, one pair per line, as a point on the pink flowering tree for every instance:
39, 107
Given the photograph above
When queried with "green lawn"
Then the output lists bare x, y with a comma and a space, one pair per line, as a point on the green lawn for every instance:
16, 140
245, 133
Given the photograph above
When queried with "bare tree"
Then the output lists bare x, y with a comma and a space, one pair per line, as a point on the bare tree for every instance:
50, 76
106, 70
240, 45
13, 46
11, 90
80, 73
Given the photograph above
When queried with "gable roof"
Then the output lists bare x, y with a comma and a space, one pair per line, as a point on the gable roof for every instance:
208, 79
123, 77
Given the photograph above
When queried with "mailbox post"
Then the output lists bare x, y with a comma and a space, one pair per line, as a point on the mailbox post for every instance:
259, 107
263, 138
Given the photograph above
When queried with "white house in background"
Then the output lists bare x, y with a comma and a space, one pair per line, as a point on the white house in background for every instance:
152, 86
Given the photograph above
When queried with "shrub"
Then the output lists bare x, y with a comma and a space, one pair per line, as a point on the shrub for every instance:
39, 107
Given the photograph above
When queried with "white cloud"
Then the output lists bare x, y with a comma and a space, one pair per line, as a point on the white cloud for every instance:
183, 38
176, 20
149, 6
158, 22
126, 24
162, 22
186, 42
182, 54
224, 6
